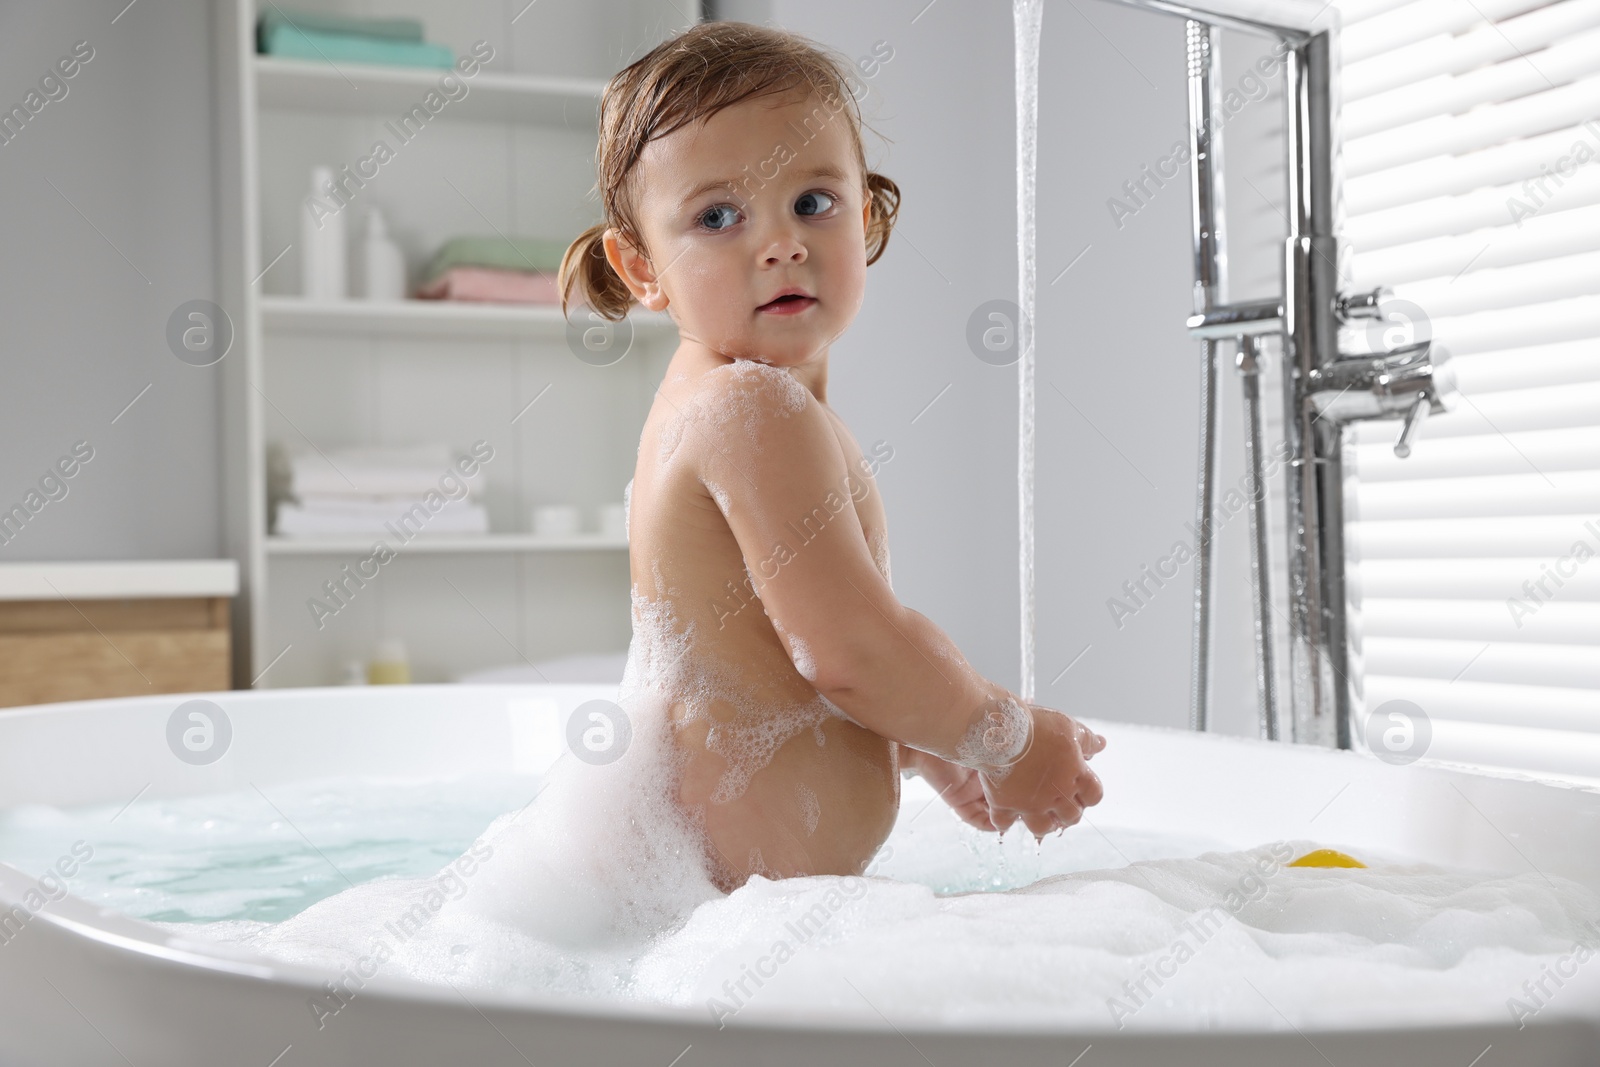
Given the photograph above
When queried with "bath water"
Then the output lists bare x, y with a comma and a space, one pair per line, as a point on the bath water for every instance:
1097, 926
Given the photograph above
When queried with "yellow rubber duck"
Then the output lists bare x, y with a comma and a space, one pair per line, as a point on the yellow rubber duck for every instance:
1325, 857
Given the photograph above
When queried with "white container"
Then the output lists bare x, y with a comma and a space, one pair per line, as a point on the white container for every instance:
557, 520
614, 521
383, 268
322, 241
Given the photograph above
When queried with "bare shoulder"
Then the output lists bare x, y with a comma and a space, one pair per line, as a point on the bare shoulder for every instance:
739, 411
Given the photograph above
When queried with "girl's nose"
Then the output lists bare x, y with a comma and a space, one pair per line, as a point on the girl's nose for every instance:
785, 244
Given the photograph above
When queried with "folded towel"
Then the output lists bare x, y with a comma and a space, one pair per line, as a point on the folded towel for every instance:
295, 43
502, 253
365, 472
366, 507
455, 517
496, 286
388, 29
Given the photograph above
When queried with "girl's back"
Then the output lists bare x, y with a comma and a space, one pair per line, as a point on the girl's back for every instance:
786, 784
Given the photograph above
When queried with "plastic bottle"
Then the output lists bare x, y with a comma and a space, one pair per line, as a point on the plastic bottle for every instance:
322, 237
388, 666
383, 267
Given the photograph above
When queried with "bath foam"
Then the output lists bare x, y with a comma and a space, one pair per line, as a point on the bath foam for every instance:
602, 856
810, 808
804, 662
1222, 939
1070, 938
879, 545
743, 390
749, 741
612, 836
720, 495
997, 738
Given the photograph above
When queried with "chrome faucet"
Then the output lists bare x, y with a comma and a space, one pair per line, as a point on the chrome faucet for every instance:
1410, 381
1324, 389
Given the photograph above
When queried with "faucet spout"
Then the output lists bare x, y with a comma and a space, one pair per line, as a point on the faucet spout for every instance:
1409, 381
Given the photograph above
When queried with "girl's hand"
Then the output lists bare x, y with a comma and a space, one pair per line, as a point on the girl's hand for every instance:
960, 787
1051, 784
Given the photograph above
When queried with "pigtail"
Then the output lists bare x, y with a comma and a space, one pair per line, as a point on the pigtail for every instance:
885, 197
585, 266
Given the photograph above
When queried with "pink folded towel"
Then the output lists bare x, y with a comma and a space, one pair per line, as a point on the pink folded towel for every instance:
489, 284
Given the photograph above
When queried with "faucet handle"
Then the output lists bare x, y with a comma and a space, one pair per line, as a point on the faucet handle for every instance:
1418, 412
1352, 306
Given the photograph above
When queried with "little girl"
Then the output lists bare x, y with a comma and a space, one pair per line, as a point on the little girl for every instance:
794, 686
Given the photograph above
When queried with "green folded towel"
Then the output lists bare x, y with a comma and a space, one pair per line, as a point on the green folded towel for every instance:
297, 43
504, 253
317, 22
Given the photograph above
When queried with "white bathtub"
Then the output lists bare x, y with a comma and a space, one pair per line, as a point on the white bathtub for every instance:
82, 986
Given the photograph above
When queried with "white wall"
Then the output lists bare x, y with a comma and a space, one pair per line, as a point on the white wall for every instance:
106, 228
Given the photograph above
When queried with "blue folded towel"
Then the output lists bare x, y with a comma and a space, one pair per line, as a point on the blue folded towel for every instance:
296, 42
389, 29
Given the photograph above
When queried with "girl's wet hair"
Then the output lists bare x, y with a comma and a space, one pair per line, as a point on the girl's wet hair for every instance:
686, 79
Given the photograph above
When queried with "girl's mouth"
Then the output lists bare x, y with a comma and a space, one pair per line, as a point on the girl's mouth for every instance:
787, 305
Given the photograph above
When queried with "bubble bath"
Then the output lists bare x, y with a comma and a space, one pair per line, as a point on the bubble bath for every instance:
1098, 926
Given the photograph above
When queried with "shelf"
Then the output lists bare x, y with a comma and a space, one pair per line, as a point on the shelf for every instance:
444, 543
389, 92
432, 318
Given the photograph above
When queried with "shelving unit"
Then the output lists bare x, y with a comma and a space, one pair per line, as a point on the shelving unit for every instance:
513, 155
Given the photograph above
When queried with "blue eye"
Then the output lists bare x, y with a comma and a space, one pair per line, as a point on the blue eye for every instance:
812, 195
711, 212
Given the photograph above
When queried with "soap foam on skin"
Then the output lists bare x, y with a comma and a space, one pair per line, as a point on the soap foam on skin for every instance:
810, 808
755, 392
879, 545
997, 738
751, 735
720, 495
800, 653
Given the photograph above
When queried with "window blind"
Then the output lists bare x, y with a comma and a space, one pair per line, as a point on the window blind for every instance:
1471, 164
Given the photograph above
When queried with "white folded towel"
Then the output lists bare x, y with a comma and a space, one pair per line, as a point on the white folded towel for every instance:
387, 519
373, 471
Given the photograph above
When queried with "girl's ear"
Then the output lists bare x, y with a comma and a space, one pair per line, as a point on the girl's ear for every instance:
634, 268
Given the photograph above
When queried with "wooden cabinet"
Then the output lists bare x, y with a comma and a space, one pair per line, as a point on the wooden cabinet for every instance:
79, 631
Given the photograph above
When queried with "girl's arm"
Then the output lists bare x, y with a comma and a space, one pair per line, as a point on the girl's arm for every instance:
960, 787
770, 458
